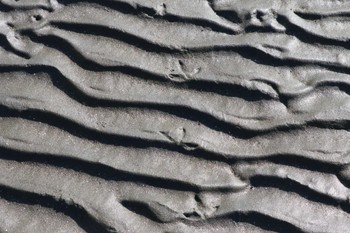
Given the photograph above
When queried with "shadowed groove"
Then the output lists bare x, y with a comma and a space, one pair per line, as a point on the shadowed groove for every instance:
78, 214
93, 169
245, 51
253, 204
5, 44
265, 222
307, 37
109, 139
292, 186
140, 11
206, 119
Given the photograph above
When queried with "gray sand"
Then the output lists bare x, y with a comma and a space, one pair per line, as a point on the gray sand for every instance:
174, 116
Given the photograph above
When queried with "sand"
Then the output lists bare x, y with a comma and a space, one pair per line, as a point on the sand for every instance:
174, 116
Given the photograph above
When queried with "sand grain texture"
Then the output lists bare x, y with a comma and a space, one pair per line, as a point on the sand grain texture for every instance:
174, 116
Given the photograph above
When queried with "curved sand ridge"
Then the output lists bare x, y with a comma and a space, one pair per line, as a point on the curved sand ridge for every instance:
174, 116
